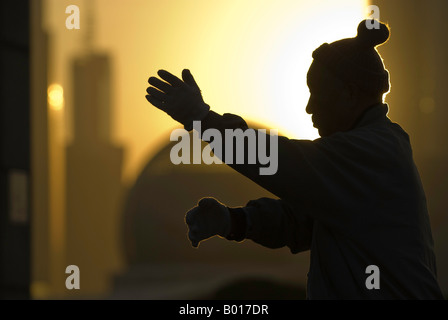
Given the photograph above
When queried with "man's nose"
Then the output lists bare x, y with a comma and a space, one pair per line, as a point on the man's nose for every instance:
309, 107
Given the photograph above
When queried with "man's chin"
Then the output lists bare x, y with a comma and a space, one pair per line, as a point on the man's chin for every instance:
323, 132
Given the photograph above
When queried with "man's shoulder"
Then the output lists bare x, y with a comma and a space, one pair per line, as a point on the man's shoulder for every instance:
380, 140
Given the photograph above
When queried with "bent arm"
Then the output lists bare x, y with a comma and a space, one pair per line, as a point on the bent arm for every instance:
272, 223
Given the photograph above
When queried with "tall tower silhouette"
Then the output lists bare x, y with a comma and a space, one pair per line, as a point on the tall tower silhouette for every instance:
93, 172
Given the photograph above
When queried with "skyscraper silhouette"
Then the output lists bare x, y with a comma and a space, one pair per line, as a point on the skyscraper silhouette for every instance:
93, 177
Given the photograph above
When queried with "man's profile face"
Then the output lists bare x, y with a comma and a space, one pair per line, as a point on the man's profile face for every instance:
329, 102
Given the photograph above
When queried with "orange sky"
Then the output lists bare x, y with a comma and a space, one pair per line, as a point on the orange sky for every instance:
249, 57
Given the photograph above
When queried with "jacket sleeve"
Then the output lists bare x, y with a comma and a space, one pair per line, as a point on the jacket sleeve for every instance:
274, 224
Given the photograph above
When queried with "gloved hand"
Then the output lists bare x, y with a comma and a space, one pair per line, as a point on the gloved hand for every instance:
206, 220
182, 100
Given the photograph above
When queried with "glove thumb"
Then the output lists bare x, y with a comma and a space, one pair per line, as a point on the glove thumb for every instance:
188, 78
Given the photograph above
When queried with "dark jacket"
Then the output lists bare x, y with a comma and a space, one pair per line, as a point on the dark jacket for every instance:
354, 199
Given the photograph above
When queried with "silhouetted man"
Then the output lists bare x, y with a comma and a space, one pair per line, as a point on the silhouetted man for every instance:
353, 197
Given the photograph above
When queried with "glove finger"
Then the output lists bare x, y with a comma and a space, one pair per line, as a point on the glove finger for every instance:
191, 215
170, 78
193, 239
159, 84
188, 78
156, 103
156, 93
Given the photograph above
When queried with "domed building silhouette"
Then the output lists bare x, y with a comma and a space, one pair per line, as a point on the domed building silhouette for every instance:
162, 264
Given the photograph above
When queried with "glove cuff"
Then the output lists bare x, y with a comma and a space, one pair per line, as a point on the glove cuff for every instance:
199, 116
238, 224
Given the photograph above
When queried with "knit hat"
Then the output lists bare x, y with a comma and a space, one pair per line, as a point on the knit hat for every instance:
356, 60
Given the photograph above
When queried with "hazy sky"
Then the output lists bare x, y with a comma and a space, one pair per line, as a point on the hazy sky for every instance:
249, 58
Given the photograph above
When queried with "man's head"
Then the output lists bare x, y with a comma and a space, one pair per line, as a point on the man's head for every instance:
345, 78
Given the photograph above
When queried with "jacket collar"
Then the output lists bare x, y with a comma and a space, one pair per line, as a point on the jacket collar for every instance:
375, 113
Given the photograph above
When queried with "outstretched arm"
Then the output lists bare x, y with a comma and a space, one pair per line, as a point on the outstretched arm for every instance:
269, 222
